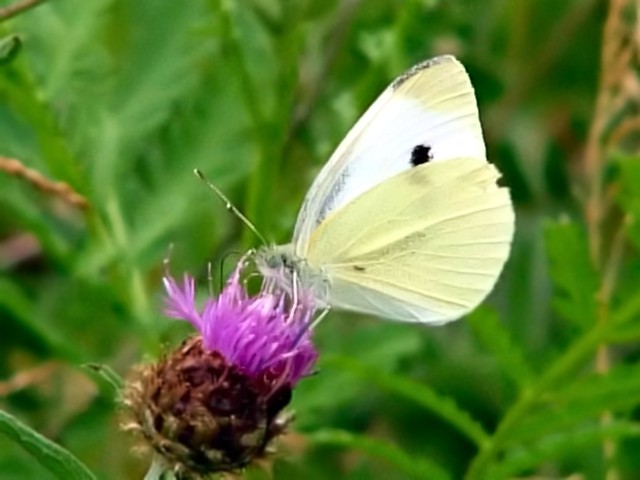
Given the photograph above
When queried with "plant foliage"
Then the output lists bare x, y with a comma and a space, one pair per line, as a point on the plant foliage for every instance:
107, 107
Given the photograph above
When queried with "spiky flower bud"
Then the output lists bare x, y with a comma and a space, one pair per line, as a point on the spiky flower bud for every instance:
216, 403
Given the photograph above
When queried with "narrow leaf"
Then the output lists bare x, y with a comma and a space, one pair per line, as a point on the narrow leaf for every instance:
555, 446
628, 196
580, 401
13, 300
408, 464
622, 316
495, 338
107, 374
624, 331
576, 283
52, 456
442, 406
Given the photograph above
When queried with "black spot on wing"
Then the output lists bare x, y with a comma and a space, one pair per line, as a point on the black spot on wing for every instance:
359, 268
421, 154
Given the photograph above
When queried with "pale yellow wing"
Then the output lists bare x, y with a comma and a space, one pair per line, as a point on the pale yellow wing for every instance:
431, 107
426, 245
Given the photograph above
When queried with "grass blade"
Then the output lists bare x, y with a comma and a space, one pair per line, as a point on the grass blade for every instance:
50, 455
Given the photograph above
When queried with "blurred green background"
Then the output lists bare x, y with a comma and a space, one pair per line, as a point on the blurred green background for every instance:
122, 100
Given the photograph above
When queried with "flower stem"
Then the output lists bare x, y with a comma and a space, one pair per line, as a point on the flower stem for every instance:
17, 8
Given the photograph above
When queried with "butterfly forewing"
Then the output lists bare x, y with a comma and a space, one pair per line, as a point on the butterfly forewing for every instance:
429, 114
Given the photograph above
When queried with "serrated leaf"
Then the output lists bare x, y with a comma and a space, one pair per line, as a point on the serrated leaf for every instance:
442, 406
624, 331
57, 460
494, 337
530, 455
622, 379
582, 400
408, 464
629, 194
575, 281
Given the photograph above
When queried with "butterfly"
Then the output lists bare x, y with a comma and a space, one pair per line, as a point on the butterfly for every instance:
406, 220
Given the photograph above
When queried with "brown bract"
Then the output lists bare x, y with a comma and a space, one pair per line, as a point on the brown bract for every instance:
203, 415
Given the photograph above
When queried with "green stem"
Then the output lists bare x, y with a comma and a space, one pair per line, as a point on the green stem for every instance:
137, 292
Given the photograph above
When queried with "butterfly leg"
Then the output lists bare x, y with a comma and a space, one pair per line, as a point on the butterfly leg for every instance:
294, 292
319, 318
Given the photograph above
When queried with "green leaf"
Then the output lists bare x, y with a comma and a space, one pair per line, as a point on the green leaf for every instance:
108, 375
381, 343
622, 330
494, 337
52, 456
64, 45
629, 193
141, 96
530, 455
581, 400
21, 309
625, 309
9, 48
408, 464
575, 281
442, 406
64, 62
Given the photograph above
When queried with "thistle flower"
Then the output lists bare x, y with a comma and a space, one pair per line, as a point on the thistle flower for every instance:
215, 404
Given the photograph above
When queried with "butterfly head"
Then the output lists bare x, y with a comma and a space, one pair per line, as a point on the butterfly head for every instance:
270, 259
277, 264
285, 270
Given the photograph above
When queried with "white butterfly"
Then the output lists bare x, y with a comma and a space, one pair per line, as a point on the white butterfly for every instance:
406, 220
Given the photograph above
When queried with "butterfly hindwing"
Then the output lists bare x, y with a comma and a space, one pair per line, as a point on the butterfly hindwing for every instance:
426, 245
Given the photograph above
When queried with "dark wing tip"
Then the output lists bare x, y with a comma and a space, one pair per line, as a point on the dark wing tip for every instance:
432, 62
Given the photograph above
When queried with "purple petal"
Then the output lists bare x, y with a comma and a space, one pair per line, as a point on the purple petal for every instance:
180, 304
260, 334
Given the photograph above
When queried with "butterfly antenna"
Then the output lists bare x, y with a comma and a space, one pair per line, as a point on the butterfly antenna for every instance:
230, 206
166, 261
210, 280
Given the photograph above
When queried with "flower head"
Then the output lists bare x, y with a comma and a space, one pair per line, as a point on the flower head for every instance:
257, 334
215, 403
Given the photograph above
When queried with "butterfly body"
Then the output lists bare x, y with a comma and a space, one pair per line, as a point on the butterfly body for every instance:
406, 220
